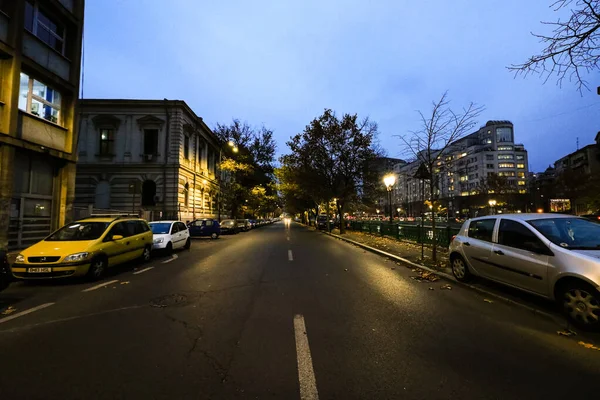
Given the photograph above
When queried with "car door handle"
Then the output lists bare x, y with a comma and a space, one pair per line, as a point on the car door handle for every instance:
499, 252
127, 243
467, 243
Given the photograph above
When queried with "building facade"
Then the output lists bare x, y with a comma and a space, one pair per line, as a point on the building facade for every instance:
155, 158
471, 166
40, 58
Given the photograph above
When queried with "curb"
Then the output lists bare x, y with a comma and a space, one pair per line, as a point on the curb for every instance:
451, 278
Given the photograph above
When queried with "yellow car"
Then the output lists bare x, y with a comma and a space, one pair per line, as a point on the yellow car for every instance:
86, 247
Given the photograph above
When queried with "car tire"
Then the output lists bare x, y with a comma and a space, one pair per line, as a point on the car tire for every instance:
97, 268
580, 302
460, 269
146, 254
169, 249
188, 244
214, 235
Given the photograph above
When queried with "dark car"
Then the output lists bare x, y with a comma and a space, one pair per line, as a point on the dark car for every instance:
229, 226
322, 222
5, 274
205, 227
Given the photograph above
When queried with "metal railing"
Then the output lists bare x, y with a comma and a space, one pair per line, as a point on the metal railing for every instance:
410, 233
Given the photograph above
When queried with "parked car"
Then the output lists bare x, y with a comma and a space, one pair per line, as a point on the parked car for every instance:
86, 247
551, 255
244, 225
205, 227
5, 274
322, 222
229, 226
170, 235
253, 223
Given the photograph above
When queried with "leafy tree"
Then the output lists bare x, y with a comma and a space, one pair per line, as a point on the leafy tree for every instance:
250, 166
495, 183
296, 199
330, 155
439, 129
572, 48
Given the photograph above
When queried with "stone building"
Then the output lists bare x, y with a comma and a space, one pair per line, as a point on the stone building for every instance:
155, 158
40, 58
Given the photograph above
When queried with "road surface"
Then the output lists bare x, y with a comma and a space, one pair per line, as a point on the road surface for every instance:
280, 313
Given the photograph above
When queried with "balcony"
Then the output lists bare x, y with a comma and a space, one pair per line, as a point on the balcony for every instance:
45, 56
42, 132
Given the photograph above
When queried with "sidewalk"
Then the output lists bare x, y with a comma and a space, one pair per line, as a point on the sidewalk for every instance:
409, 251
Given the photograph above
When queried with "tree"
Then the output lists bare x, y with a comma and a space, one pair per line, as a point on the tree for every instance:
251, 166
572, 48
296, 199
495, 184
329, 158
439, 130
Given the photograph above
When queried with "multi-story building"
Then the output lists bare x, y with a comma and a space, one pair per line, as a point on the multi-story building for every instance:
469, 166
40, 58
156, 158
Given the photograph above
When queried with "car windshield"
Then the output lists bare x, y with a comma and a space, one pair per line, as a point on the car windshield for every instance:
78, 231
160, 227
570, 233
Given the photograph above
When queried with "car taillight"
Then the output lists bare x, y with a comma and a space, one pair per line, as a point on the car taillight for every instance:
452, 238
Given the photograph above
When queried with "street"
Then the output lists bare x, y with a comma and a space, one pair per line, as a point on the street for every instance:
280, 312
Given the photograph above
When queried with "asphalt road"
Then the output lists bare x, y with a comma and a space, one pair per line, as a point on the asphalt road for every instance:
274, 313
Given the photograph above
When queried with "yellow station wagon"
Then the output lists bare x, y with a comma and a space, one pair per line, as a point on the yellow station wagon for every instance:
86, 248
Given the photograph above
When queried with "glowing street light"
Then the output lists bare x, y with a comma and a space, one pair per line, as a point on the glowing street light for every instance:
492, 204
389, 181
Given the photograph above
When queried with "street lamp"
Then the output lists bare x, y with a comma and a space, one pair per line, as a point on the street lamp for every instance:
389, 181
492, 204
233, 146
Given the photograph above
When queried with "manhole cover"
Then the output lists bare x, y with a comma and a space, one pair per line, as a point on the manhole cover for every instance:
169, 300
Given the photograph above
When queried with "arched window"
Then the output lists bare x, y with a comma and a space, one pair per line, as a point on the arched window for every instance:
148, 193
102, 195
186, 194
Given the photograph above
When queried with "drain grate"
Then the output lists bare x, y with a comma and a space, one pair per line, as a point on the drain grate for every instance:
169, 300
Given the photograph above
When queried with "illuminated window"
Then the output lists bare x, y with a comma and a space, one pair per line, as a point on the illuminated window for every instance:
504, 134
464, 193
38, 99
507, 173
521, 183
521, 174
521, 166
520, 157
507, 165
106, 142
522, 191
464, 178
505, 148
505, 157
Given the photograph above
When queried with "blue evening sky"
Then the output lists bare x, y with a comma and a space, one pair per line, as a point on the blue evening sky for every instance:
281, 62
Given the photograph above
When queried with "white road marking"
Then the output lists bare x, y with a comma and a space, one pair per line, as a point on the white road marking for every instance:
17, 315
290, 257
288, 238
142, 270
306, 374
100, 285
173, 258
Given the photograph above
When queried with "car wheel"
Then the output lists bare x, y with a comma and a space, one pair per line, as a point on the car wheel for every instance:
188, 244
460, 270
97, 269
214, 235
581, 304
169, 248
146, 254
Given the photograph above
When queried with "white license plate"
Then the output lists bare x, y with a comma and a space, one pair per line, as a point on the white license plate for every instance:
39, 269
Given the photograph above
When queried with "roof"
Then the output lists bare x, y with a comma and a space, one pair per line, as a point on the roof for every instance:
498, 122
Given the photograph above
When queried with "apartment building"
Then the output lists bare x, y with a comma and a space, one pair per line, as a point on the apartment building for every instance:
40, 58
469, 167
156, 158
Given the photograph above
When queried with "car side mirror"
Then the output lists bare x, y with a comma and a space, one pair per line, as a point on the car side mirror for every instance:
538, 248
116, 237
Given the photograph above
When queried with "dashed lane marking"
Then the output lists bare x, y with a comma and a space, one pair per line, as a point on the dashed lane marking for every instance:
143, 270
306, 373
290, 256
100, 285
173, 258
20, 314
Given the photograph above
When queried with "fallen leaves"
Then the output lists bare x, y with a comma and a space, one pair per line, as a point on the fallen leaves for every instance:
9, 310
566, 332
425, 276
589, 346
488, 301
446, 286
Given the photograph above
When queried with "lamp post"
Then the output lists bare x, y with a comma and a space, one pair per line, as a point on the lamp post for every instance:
492, 204
389, 181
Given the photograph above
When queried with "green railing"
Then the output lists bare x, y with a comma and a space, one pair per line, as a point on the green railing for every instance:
411, 233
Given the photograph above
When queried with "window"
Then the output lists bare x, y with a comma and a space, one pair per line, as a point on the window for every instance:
174, 228
507, 173
148, 193
186, 147
506, 165
505, 148
522, 191
181, 226
504, 135
482, 229
505, 157
464, 193
186, 194
118, 229
489, 157
521, 174
106, 141
490, 166
45, 28
464, 178
520, 157
209, 223
38, 99
515, 234
521, 166
150, 141
521, 183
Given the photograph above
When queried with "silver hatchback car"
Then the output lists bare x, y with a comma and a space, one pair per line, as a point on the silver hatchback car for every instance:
552, 255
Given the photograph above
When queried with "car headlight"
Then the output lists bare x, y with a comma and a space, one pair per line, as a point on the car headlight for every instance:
20, 258
159, 240
76, 257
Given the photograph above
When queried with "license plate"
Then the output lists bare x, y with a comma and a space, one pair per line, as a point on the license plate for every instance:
39, 269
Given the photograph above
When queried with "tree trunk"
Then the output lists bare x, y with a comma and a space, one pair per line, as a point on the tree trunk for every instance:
340, 207
328, 217
434, 236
